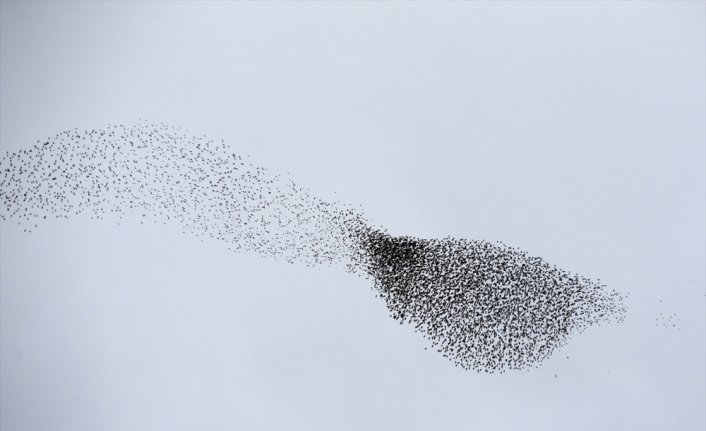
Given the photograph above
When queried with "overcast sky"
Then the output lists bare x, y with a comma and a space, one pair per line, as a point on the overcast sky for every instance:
573, 130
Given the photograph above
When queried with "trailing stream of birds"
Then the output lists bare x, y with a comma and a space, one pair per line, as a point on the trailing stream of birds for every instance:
485, 306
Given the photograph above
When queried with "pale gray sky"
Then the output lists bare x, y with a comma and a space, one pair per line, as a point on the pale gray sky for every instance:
573, 130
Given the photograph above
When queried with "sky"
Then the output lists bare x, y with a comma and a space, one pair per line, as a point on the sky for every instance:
572, 130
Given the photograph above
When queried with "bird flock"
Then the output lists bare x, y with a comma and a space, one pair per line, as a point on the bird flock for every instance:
486, 306
669, 321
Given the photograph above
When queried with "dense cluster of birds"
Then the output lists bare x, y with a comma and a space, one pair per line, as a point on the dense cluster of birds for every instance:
486, 306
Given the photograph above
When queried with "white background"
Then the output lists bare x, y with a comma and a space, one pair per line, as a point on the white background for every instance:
573, 130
